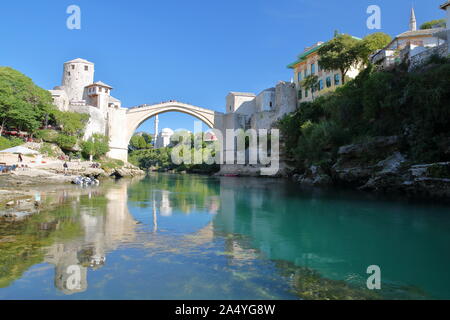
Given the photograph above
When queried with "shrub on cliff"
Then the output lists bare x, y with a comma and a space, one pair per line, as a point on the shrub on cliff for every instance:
415, 106
71, 123
66, 142
6, 143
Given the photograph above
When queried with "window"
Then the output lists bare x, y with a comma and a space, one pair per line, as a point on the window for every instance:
99, 89
299, 76
68, 73
320, 85
328, 80
306, 93
318, 67
73, 67
337, 79
86, 68
270, 104
313, 68
300, 94
306, 73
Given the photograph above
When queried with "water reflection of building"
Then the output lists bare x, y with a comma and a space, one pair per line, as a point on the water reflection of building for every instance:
165, 207
103, 229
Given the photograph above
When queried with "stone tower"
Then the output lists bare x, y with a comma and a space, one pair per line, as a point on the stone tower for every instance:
78, 74
413, 21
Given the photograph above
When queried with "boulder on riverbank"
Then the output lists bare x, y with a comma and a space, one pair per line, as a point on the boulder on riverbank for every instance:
380, 166
128, 170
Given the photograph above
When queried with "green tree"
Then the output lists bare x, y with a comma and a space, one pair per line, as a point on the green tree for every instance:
148, 138
372, 43
440, 23
66, 142
23, 105
96, 146
310, 83
138, 142
340, 53
71, 123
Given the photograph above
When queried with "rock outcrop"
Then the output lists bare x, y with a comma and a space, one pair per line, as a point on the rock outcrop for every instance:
380, 166
314, 176
128, 170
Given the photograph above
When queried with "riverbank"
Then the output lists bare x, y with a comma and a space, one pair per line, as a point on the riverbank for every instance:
19, 188
380, 165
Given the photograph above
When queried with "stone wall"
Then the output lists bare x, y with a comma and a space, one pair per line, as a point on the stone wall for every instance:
418, 59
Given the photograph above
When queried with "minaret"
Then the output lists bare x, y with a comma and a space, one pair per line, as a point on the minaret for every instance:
413, 21
155, 138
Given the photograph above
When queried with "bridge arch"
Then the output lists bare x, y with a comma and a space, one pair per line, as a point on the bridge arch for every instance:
123, 130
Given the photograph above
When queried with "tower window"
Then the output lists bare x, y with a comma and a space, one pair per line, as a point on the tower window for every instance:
86, 68
73, 67
68, 73
99, 89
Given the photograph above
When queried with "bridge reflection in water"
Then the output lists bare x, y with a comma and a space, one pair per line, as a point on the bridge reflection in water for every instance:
230, 238
106, 224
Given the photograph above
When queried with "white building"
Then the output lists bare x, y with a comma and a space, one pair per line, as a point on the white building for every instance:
248, 103
408, 44
163, 139
445, 34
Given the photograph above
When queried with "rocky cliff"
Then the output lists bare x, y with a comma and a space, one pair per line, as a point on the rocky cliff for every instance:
379, 165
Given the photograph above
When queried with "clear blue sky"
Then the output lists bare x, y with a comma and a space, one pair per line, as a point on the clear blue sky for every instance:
192, 51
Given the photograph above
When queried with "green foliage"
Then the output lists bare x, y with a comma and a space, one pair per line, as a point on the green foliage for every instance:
47, 149
139, 142
47, 135
440, 23
146, 159
372, 43
23, 105
310, 83
160, 159
340, 53
66, 142
414, 106
71, 123
320, 141
6, 143
109, 164
96, 146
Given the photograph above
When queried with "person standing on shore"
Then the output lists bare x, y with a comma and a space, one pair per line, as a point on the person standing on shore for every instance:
20, 158
66, 168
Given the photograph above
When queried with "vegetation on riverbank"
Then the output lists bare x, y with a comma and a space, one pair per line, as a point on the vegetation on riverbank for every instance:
160, 159
412, 105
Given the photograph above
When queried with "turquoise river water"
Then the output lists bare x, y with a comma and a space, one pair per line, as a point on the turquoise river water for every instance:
197, 237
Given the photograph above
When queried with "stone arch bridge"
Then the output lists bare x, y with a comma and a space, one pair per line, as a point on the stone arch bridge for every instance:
122, 123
